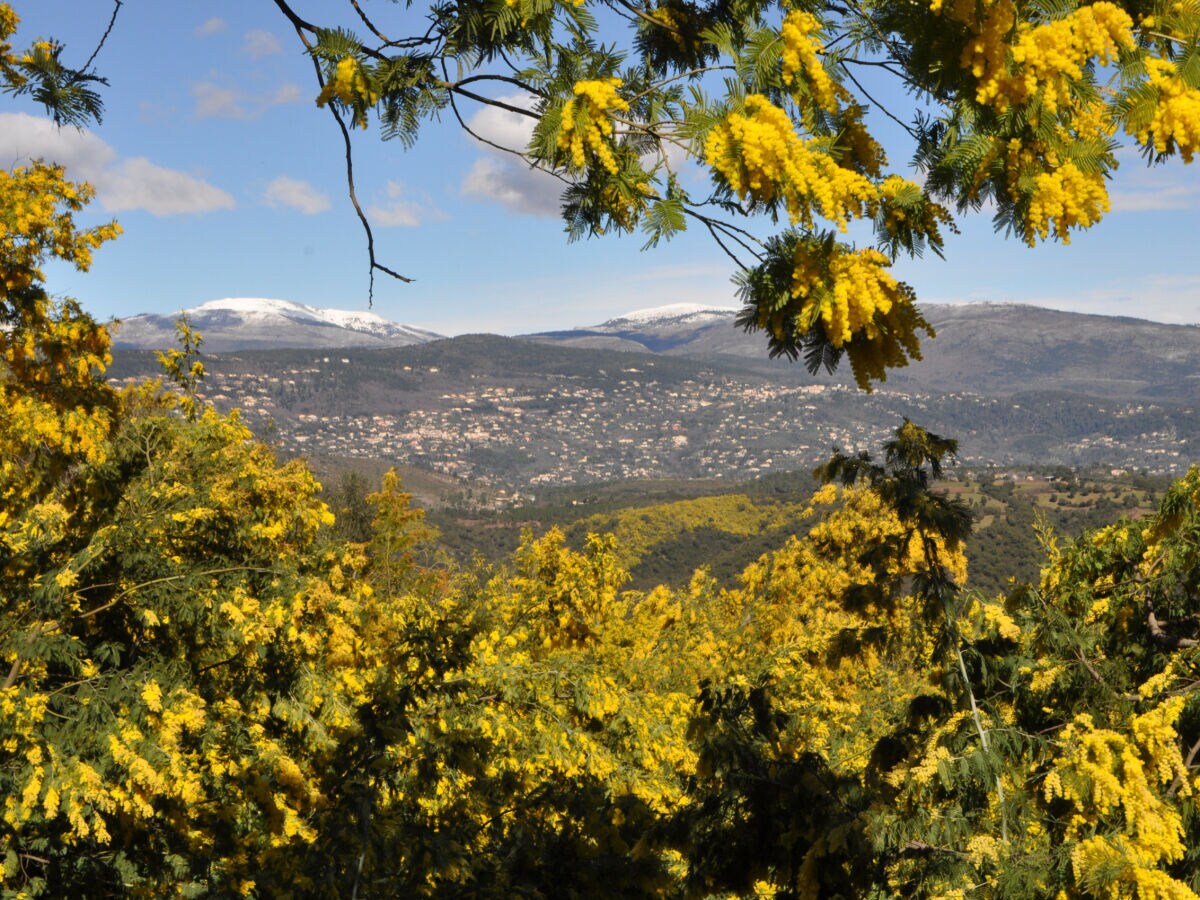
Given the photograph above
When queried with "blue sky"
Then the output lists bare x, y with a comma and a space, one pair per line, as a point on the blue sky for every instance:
229, 182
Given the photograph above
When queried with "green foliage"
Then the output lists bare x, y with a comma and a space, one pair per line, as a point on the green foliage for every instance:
209, 692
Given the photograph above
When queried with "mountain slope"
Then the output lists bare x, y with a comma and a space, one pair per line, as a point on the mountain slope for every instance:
989, 348
244, 323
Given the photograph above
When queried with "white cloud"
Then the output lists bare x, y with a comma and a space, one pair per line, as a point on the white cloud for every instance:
154, 113
121, 185
504, 127
1140, 188
216, 102
295, 194
514, 184
257, 44
400, 211
24, 137
138, 183
210, 27
1146, 198
1173, 298
288, 92
504, 177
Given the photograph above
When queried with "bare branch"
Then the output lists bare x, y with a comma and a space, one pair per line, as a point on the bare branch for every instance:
648, 18
371, 25
168, 578
104, 37
298, 23
887, 112
469, 130
301, 26
712, 230
1170, 641
513, 81
488, 101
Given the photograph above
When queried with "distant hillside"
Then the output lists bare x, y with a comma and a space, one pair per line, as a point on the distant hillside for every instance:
250, 323
665, 534
987, 348
503, 414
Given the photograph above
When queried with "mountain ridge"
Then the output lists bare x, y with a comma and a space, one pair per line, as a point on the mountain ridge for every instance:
258, 323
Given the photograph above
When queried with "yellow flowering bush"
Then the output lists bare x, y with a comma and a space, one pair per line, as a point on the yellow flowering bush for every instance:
350, 85
760, 157
587, 128
1101, 773
9, 71
1176, 119
801, 60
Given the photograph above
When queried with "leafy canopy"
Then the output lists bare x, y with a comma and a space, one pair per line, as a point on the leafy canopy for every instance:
1013, 105
207, 691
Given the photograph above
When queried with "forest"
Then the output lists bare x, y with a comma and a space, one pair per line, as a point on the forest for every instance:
209, 690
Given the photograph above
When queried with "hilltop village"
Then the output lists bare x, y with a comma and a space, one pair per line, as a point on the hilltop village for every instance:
519, 433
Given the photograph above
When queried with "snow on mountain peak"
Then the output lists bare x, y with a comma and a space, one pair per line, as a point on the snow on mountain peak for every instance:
673, 312
262, 307
256, 322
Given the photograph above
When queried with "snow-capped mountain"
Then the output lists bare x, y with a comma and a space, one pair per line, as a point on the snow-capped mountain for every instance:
676, 327
252, 323
673, 314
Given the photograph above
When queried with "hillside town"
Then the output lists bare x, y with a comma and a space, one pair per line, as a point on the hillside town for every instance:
520, 434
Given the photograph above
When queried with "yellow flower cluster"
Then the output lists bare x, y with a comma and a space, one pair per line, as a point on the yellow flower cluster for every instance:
8, 26
860, 307
846, 296
862, 152
625, 211
1177, 116
1100, 772
1014, 60
36, 207
893, 194
1067, 197
349, 85
672, 21
760, 156
586, 125
800, 57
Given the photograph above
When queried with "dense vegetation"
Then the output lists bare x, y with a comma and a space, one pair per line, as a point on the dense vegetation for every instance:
666, 530
207, 690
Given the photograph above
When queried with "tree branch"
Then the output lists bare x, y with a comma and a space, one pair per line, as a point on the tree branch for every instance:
467, 128
137, 587
1170, 641
647, 18
887, 112
300, 26
488, 101
104, 37
506, 79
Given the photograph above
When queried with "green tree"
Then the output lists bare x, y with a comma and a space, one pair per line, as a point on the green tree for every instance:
205, 694
1021, 107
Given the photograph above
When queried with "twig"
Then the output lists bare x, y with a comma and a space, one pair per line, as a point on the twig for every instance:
488, 101
648, 18
887, 112
1187, 764
467, 128
1170, 641
301, 26
371, 25
137, 587
104, 37
513, 81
